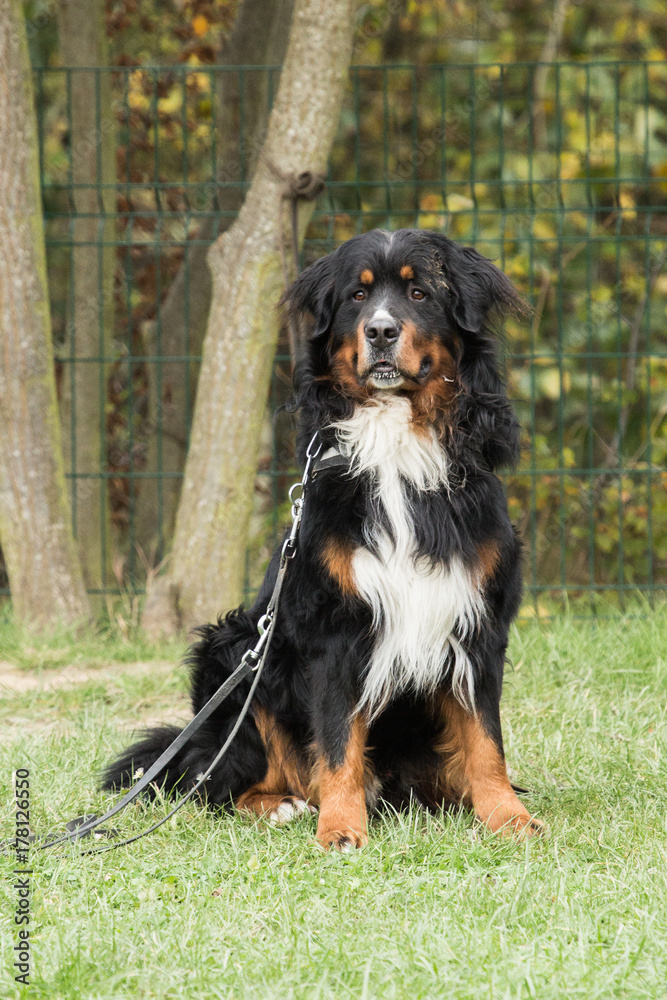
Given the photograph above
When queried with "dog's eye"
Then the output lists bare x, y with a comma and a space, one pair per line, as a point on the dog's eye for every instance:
416, 293
359, 295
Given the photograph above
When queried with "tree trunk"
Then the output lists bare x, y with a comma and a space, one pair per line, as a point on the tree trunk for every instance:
35, 531
92, 126
258, 38
547, 55
205, 571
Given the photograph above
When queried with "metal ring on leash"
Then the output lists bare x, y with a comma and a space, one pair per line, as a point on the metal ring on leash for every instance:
292, 498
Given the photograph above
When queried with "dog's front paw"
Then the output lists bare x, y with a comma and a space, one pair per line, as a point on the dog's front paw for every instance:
513, 821
345, 840
522, 827
290, 808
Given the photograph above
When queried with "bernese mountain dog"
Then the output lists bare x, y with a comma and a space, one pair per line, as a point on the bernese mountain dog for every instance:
384, 677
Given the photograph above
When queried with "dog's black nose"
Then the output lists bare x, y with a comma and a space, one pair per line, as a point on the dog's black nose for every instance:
381, 331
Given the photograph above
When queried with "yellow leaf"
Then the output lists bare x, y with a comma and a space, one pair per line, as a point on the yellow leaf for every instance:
199, 25
550, 383
137, 101
431, 203
459, 203
628, 204
172, 102
136, 97
569, 165
543, 228
430, 220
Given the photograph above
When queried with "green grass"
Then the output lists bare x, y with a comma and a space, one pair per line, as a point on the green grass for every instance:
209, 907
116, 639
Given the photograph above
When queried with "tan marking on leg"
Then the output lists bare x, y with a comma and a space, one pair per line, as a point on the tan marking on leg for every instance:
337, 557
475, 774
407, 273
342, 794
287, 777
366, 277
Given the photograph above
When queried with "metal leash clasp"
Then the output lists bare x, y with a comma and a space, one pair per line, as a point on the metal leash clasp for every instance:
264, 622
288, 551
253, 656
312, 451
297, 500
289, 545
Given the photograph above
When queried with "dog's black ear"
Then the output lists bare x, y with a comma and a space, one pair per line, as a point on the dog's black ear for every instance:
480, 289
476, 290
486, 423
309, 301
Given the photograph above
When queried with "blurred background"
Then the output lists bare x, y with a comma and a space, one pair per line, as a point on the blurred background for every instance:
536, 132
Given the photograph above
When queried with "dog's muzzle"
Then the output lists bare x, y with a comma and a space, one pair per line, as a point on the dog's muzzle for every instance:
382, 334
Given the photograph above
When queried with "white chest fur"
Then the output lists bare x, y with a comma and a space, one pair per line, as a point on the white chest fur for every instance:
420, 613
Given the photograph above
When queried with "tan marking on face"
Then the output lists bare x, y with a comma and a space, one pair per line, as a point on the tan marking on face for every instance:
288, 773
410, 350
337, 557
474, 773
431, 400
362, 348
366, 277
341, 792
346, 363
407, 273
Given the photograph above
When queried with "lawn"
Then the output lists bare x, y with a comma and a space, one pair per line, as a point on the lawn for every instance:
433, 907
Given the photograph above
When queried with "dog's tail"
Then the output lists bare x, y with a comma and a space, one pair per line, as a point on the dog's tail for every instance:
136, 760
243, 764
211, 661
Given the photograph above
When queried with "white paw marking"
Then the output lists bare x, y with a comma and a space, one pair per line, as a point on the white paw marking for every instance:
288, 811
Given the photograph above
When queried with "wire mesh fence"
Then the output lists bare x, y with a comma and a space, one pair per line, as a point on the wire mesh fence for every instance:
556, 171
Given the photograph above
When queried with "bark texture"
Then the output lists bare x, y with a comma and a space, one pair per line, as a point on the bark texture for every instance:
35, 532
259, 38
82, 40
205, 571
547, 56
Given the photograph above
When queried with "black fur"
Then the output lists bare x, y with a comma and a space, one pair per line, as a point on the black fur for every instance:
323, 640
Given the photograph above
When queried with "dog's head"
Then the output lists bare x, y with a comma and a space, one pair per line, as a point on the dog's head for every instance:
408, 312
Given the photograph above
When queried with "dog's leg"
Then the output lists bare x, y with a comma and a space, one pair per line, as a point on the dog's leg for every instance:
281, 795
340, 780
474, 770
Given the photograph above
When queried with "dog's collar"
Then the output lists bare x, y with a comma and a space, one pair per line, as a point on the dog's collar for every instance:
332, 458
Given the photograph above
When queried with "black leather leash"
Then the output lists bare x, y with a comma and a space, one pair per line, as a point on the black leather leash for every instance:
252, 662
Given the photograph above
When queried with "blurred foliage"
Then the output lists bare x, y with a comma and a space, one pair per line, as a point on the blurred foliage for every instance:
558, 172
